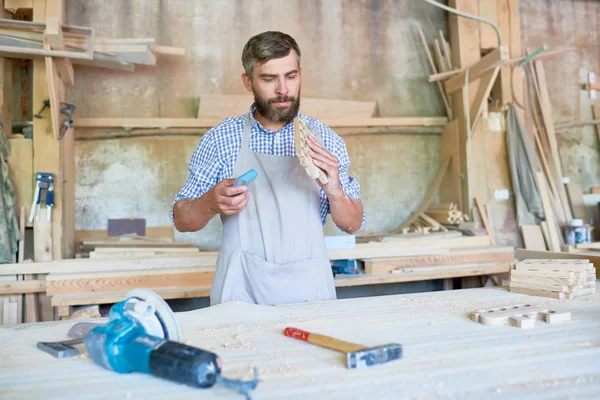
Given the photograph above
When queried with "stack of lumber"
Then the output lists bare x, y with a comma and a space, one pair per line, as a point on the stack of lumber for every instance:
555, 278
79, 44
445, 253
447, 213
137, 247
424, 224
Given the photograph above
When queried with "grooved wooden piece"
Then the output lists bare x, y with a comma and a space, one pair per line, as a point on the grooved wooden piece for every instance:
301, 133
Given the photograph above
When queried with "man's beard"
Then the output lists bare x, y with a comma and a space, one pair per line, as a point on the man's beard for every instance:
285, 115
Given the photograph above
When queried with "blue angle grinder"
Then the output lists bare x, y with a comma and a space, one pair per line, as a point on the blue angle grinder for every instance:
142, 335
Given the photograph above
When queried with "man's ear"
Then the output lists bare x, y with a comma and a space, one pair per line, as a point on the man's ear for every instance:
247, 82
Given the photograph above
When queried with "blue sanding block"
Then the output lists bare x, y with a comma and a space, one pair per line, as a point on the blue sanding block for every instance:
246, 179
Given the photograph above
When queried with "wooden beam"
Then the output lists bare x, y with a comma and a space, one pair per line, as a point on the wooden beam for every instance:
456, 257
533, 237
485, 221
483, 92
578, 206
555, 241
164, 123
123, 281
54, 35
53, 92
22, 287
413, 274
492, 60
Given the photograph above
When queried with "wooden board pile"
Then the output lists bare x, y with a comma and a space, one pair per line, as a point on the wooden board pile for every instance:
135, 247
447, 213
79, 44
555, 278
447, 253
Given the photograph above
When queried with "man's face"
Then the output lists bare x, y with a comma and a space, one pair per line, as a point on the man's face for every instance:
276, 88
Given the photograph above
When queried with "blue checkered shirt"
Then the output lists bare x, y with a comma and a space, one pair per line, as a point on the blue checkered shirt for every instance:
217, 153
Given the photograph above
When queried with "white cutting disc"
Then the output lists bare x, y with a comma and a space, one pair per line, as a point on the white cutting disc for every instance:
163, 312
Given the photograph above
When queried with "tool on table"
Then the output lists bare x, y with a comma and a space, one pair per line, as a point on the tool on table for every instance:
357, 356
62, 349
43, 181
142, 335
246, 178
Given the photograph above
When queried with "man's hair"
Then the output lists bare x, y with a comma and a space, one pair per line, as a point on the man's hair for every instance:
267, 46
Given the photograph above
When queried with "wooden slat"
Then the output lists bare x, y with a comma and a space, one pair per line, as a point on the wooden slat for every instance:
22, 287
152, 232
123, 281
113, 297
413, 274
384, 251
483, 92
491, 60
455, 257
450, 186
533, 237
20, 171
485, 221
449, 112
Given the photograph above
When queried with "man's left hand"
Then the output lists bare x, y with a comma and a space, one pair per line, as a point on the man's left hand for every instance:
328, 163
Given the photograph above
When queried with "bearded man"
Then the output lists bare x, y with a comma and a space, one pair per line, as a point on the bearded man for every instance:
273, 246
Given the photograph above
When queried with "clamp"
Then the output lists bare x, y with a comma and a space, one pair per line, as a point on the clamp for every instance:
43, 181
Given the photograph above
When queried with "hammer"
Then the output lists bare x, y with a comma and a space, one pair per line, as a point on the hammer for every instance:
357, 356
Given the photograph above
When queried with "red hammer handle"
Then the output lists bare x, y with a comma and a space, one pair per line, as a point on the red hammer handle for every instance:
296, 333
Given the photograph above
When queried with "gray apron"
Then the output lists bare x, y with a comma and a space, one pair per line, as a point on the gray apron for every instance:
273, 252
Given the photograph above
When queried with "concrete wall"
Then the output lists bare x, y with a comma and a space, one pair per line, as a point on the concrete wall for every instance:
352, 50
564, 24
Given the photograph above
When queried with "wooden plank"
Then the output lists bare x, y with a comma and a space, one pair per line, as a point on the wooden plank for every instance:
488, 9
578, 206
494, 59
169, 51
22, 287
164, 123
593, 257
20, 171
53, 92
546, 109
555, 241
135, 243
217, 106
123, 281
414, 274
454, 257
6, 94
484, 220
533, 237
102, 234
83, 265
384, 251
54, 35
483, 92
450, 186
113, 297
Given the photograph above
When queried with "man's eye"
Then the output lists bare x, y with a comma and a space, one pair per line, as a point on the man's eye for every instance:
268, 79
291, 76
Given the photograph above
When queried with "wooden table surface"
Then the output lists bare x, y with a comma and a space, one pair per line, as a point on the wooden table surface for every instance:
446, 355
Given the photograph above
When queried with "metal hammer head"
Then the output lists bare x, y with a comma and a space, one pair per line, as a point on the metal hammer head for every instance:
370, 356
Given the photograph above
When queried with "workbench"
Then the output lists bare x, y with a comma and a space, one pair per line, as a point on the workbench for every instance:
446, 355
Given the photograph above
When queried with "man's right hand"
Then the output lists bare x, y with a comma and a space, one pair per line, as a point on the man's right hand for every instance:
226, 199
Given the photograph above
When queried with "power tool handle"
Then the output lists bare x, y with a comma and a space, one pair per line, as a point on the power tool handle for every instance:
184, 364
322, 340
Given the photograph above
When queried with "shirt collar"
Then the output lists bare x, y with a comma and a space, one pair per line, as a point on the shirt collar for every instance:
262, 129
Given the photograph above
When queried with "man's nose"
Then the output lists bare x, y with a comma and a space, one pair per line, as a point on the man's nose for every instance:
282, 88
